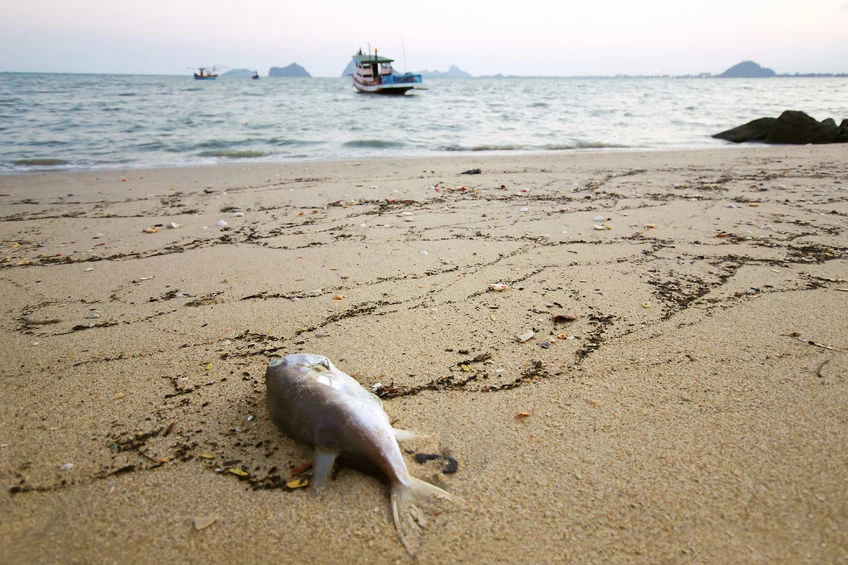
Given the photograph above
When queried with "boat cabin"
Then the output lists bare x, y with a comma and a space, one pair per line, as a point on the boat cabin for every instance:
371, 68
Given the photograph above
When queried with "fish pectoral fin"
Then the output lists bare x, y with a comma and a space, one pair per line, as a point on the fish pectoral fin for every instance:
322, 465
404, 435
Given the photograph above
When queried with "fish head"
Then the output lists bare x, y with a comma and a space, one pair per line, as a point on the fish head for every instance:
316, 372
302, 364
303, 367
301, 397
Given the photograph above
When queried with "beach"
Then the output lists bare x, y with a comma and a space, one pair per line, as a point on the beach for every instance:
631, 356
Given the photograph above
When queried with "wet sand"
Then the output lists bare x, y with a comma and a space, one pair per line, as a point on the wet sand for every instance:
661, 378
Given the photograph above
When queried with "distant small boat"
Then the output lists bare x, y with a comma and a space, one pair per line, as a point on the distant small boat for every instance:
205, 74
374, 74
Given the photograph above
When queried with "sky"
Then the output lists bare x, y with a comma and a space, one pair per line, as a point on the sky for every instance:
482, 37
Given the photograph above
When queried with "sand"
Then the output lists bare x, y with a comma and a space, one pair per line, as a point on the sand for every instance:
693, 411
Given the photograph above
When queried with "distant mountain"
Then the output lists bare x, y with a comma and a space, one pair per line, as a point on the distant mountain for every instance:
238, 73
452, 72
747, 69
349, 69
293, 70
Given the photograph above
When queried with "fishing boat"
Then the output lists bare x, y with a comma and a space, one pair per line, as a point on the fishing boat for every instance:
205, 74
374, 74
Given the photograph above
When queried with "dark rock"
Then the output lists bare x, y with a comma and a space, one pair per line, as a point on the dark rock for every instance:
799, 128
448, 464
791, 127
755, 130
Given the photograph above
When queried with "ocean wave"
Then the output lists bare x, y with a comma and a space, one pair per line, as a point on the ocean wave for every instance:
285, 142
132, 128
234, 153
496, 147
154, 145
40, 162
583, 145
219, 144
374, 143
500, 148
478, 148
80, 122
12, 102
49, 143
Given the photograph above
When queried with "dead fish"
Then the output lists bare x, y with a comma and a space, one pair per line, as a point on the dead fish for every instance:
314, 402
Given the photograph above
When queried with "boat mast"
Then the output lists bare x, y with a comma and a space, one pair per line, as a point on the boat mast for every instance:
403, 50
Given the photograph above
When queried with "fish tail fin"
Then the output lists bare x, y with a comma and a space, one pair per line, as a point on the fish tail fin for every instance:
410, 505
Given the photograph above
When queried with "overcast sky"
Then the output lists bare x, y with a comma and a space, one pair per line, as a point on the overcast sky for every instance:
528, 37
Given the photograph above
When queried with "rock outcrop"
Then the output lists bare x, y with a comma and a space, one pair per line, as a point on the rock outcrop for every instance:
238, 73
747, 69
293, 70
791, 127
452, 72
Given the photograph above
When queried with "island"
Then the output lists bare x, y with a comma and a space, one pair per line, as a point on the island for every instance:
747, 69
239, 73
452, 72
291, 71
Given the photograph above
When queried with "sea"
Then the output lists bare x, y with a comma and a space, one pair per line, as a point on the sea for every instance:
51, 122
